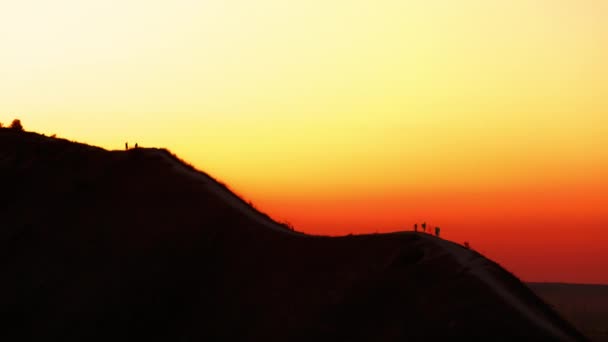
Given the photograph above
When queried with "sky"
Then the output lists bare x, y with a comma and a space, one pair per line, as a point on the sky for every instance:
486, 118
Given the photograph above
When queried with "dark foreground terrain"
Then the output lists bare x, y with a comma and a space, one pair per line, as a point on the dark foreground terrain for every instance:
108, 246
586, 306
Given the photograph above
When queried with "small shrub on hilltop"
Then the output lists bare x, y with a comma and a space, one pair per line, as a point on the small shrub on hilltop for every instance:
288, 225
16, 125
1, 125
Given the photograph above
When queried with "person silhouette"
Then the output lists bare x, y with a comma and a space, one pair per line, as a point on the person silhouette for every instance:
416, 227
424, 227
136, 146
126, 146
437, 230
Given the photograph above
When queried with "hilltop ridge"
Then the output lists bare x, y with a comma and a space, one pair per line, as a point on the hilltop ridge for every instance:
96, 244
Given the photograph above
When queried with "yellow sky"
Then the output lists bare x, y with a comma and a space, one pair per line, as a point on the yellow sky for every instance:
323, 97
347, 116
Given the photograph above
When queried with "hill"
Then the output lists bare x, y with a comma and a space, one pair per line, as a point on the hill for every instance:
100, 245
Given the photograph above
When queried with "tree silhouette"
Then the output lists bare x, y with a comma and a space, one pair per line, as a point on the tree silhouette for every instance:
16, 125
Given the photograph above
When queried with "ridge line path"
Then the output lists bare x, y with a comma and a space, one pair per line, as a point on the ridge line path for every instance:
476, 266
464, 257
224, 193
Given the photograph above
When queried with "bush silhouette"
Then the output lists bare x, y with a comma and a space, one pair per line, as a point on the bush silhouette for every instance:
1, 125
16, 125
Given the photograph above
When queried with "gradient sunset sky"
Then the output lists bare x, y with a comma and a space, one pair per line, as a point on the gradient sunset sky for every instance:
487, 118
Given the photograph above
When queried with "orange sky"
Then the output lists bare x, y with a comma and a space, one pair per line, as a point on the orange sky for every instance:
487, 118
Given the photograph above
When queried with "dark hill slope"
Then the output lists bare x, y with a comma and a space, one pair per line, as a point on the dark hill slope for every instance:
98, 245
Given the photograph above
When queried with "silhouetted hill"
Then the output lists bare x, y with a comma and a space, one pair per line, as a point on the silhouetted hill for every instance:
100, 245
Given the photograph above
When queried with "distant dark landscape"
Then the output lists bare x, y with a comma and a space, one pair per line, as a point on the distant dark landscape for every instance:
100, 245
586, 306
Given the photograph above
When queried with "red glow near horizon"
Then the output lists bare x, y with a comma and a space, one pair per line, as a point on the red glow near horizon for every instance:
540, 237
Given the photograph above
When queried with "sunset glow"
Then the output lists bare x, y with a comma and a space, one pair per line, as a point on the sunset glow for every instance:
487, 118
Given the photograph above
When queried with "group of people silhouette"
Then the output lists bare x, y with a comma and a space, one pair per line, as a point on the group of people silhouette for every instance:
423, 226
466, 244
127, 146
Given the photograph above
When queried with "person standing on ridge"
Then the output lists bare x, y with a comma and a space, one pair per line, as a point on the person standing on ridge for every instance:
424, 227
126, 146
437, 230
416, 227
